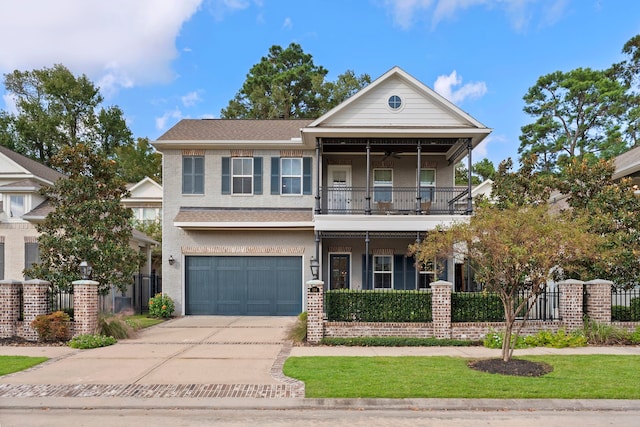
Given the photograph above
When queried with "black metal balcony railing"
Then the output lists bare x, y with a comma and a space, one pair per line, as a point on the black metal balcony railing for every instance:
394, 200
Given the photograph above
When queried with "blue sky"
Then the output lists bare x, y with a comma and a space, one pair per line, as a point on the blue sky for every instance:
163, 60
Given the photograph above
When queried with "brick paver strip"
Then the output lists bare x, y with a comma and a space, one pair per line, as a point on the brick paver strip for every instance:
290, 388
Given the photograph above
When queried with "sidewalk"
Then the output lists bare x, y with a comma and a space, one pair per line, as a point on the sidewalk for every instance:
230, 363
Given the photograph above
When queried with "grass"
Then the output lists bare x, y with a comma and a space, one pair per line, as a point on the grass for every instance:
11, 364
141, 321
573, 377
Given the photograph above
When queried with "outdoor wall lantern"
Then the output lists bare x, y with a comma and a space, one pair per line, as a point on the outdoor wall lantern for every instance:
85, 270
172, 260
315, 266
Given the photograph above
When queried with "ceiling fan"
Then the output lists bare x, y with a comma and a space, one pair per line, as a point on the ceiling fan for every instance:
388, 154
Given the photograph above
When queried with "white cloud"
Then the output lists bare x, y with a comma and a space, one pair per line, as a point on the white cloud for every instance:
118, 43
161, 122
404, 11
287, 24
519, 12
445, 86
220, 8
191, 99
10, 103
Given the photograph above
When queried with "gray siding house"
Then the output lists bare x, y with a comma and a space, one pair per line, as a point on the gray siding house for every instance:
248, 203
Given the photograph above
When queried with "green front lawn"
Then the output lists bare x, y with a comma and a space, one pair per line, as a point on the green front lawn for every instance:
140, 321
11, 364
579, 377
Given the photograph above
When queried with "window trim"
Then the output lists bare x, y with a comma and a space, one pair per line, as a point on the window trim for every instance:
193, 176
250, 175
382, 272
386, 185
300, 177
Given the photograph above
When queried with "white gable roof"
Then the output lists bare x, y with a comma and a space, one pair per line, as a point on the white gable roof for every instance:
147, 188
422, 106
423, 114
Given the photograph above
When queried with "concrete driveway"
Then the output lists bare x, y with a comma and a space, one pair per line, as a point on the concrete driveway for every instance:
195, 350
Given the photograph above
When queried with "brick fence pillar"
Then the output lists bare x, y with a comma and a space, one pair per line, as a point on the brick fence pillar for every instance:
599, 300
85, 307
34, 297
9, 307
571, 309
441, 308
315, 311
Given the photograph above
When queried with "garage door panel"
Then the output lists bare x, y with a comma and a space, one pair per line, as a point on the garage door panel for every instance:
246, 285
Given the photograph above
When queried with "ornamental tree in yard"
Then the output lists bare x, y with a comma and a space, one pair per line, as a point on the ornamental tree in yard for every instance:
88, 223
513, 250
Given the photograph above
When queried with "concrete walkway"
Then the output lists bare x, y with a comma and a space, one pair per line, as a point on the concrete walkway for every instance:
211, 356
228, 362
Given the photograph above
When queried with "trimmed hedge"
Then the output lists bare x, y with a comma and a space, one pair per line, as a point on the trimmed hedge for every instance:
622, 313
476, 307
396, 342
346, 305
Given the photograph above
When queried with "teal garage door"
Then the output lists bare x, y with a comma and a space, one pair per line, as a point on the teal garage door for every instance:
246, 286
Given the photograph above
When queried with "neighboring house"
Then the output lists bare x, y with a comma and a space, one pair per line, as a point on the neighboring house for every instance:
20, 181
145, 200
23, 207
628, 165
248, 203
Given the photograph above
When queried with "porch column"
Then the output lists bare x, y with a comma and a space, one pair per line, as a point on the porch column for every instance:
416, 267
367, 207
469, 198
418, 192
318, 163
367, 278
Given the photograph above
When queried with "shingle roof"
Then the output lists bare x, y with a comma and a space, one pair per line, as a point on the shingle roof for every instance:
202, 215
627, 163
37, 169
234, 130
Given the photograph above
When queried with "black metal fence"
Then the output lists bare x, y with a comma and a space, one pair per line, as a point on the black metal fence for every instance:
60, 300
145, 286
625, 304
416, 306
344, 305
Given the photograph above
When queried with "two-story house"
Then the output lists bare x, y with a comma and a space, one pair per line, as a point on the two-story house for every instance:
248, 203
22, 207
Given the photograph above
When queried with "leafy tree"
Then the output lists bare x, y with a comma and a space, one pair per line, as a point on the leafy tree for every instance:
521, 188
628, 72
578, 114
57, 109
287, 84
345, 86
513, 252
484, 169
611, 210
88, 223
137, 161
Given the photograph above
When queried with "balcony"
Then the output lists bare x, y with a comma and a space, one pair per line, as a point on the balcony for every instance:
394, 201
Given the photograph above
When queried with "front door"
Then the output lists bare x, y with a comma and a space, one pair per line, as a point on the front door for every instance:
339, 195
339, 266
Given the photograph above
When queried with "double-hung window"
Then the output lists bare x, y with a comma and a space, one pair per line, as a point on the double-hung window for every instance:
427, 184
382, 271
382, 185
291, 175
16, 205
193, 175
242, 175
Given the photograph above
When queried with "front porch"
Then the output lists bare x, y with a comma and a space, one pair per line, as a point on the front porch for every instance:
394, 201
